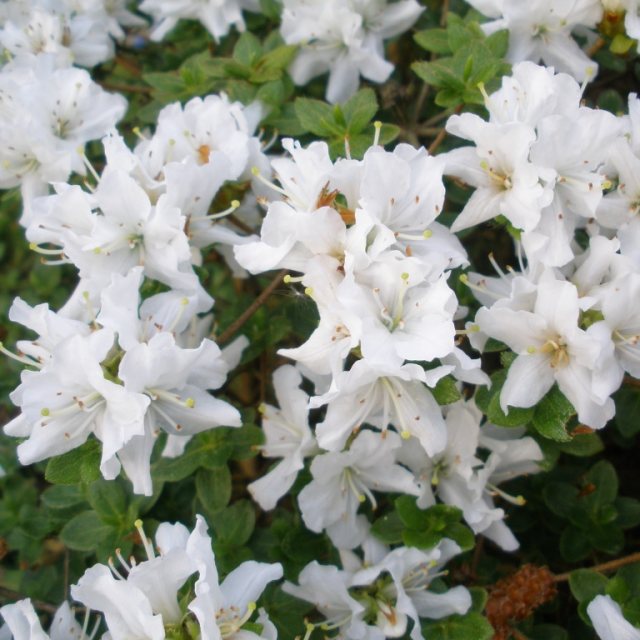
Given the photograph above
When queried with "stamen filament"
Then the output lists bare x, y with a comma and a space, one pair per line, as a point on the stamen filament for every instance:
22, 359
148, 547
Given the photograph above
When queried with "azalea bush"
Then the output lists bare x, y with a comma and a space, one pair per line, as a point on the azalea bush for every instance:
320, 319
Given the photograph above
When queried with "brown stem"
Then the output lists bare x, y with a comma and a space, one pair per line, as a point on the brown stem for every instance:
422, 96
38, 604
632, 382
518, 635
605, 566
437, 141
129, 65
125, 88
234, 220
443, 132
596, 46
477, 554
251, 309
444, 12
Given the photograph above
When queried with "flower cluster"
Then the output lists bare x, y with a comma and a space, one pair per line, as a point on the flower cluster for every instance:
50, 109
544, 162
375, 261
345, 39
543, 30
217, 16
142, 600
111, 363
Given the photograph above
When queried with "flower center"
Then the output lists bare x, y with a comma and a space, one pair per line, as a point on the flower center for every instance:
557, 349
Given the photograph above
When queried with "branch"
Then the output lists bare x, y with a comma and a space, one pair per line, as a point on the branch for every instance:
125, 88
605, 566
38, 604
249, 311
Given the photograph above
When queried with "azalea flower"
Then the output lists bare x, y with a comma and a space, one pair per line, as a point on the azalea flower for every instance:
551, 348
287, 436
608, 621
22, 623
344, 38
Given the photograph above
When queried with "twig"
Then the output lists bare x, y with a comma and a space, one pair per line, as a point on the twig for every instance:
443, 132
605, 566
129, 65
518, 635
241, 225
477, 553
126, 88
596, 46
632, 382
444, 12
251, 309
66, 573
38, 604
437, 141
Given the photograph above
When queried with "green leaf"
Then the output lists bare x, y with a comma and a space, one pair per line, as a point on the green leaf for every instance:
627, 401
388, 528
317, 117
85, 532
286, 612
517, 415
109, 500
79, 465
586, 584
248, 49
547, 632
621, 44
488, 400
234, 524
574, 544
359, 110
213, 487
479, 597
62, 496
473, 626
410, 514
169, 85
435, 40
421, 539
561, 498
461, 534
208, 449
551, 416
439, 74
602, 477
608, 538
446, 391
498, 43
628, 510
582, 445
272, 65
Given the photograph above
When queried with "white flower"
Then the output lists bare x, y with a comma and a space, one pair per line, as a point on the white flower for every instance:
407, 595
70, 398
140, 600
541, 30
223, 609
551, 348
217, 16
499, 166
608, 621
327, 588
22, 623
382, 395
287, 436
343, 480
344, 38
